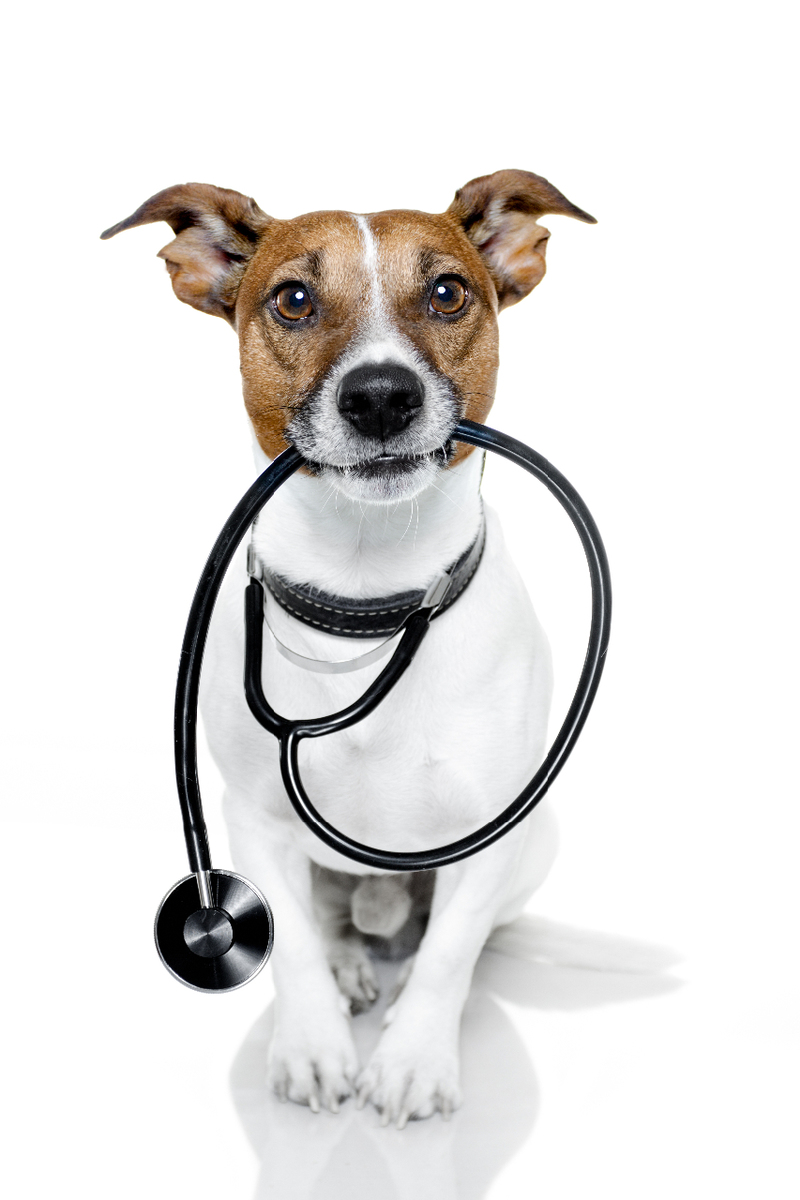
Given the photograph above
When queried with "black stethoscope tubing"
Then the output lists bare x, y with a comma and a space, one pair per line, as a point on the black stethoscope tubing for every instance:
291, 733
187, 688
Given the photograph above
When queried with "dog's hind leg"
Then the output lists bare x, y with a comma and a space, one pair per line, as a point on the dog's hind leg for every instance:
346, 952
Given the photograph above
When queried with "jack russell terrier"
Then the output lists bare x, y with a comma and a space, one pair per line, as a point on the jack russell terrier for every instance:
363, 340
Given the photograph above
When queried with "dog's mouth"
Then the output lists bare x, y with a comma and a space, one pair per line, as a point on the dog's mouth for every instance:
380, 466
386, 477
399, 464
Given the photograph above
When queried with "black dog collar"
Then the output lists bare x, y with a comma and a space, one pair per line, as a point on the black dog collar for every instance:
376, 617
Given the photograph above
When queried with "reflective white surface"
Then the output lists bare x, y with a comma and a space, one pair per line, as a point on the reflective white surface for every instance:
353, 1155
120, 1081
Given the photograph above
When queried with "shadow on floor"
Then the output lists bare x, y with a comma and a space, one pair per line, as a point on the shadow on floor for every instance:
351, 1157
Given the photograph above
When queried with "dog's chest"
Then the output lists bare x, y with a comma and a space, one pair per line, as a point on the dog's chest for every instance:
417, 772
445, 751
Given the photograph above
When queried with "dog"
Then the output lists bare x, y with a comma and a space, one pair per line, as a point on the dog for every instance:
363, 340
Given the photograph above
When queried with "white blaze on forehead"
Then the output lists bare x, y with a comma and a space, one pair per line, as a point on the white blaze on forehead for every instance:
380, 340
370, 244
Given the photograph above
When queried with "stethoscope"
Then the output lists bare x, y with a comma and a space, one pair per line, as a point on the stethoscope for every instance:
214, 929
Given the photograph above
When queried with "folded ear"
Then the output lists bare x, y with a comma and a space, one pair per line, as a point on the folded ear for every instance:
217, 234
498, 214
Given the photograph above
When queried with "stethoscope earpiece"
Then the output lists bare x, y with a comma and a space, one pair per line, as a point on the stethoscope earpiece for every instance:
218, 941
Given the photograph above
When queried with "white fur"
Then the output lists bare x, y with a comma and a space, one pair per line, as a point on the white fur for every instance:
377, 299
538, 939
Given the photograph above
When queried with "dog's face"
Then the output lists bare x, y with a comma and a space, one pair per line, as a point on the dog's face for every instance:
374, 335
363, 339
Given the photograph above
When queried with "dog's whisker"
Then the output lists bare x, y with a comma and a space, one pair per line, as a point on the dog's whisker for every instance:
408, 523
447, 496
330, 492
360, 524
292, 408
482, 395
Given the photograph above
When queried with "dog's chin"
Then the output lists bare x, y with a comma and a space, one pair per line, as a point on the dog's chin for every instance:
387, 479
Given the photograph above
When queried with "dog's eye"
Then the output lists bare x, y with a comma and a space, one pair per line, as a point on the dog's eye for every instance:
293, 302
448, 296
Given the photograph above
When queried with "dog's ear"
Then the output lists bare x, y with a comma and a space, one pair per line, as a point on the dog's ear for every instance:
498, 214
217, 234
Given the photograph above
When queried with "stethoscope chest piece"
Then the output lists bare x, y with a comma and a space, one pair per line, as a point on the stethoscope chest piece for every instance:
217, 945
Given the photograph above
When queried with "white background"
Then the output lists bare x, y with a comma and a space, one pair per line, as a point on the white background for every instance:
652, 366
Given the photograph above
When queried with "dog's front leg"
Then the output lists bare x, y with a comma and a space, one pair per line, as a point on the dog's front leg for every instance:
312, 1058
414, 1070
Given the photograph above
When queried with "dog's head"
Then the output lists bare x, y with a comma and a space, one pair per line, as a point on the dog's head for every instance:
363, 339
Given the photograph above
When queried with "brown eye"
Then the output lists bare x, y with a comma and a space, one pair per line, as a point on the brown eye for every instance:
448, 296
293, 302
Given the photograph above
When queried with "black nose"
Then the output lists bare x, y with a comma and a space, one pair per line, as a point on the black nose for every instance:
380, 399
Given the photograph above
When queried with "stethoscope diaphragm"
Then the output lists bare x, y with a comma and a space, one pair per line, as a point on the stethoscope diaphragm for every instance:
214, 948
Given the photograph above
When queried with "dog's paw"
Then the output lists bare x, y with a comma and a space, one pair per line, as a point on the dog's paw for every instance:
313, 1063
409, 1079
354, 976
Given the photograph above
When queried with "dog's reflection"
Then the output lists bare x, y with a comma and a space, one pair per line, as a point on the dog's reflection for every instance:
308, 1157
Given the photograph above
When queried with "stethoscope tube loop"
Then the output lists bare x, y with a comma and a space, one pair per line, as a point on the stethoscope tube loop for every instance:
291, 733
